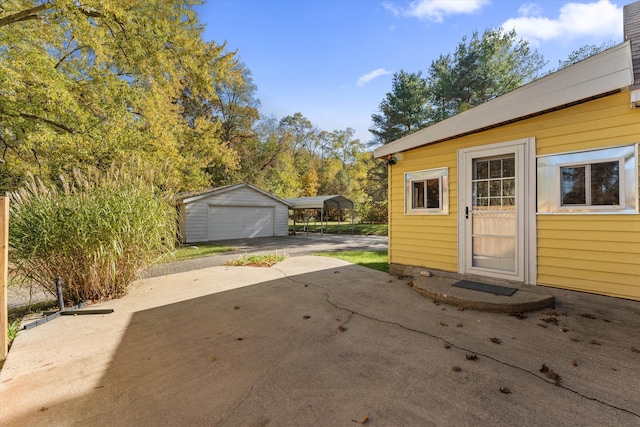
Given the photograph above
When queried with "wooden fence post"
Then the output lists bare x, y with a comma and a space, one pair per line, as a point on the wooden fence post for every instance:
4, 268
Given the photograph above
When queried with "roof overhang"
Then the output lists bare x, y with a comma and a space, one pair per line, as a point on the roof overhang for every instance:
606, 72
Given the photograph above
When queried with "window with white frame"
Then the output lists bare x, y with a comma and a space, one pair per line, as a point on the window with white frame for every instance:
426, 192
596, 181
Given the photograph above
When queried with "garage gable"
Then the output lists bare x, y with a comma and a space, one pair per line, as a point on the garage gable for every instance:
233, 212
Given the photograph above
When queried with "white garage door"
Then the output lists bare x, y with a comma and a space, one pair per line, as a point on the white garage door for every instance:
226, 222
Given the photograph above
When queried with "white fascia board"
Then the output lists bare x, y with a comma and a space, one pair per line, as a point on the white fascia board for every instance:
605, 72
226, 188
211, 192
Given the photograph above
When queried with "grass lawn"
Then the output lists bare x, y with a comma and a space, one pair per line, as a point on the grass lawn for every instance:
195, 251
378, 260
257, 260
345, 227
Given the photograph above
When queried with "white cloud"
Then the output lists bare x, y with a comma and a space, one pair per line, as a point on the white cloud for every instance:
372, 75
600, 20
436, 10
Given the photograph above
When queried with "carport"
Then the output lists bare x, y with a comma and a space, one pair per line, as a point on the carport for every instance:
323, 203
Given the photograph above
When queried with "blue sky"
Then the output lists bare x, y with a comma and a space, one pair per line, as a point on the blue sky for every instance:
333, 60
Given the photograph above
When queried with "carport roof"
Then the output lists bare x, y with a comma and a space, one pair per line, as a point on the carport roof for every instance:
319, 202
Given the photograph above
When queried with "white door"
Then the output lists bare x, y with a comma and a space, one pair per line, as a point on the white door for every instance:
492, 211
238, 222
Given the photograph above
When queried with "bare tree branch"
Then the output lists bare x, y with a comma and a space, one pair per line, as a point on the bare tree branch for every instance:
24, 15
64, 58
47, 121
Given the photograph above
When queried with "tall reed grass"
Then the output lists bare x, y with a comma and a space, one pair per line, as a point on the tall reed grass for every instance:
96, 230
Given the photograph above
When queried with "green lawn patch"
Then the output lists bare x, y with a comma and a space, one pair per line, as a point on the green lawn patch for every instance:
195, 251
378, 260
345, 228
257, 260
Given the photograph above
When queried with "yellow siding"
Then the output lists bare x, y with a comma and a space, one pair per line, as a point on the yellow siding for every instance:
591, 252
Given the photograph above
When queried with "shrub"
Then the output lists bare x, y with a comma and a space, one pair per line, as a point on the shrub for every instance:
96, 231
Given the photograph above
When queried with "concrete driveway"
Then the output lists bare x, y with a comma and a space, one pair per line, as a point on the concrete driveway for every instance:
316, 341
301, 244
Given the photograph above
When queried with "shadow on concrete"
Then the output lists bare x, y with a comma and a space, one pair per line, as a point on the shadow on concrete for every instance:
288, 352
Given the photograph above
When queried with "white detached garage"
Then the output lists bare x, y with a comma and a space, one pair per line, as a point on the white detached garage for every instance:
232, 212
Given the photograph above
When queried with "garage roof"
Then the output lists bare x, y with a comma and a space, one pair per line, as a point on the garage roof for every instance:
192, 197
319, 202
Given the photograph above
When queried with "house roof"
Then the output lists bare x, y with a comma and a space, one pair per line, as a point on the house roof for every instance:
319, 202
194, 196
606, 72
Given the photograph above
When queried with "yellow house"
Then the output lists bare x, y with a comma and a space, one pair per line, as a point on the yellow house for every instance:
539, 186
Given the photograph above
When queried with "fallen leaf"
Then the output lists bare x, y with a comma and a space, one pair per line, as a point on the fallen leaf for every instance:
574, 362
550, 373
364, 419
342, 328
495, 340
554, 376
212, 359
456, 368
447, 346
519, 315
505, 390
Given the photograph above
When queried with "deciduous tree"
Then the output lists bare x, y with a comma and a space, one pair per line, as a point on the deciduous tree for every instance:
94, 81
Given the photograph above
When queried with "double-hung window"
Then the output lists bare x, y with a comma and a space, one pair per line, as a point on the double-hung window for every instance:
426, 192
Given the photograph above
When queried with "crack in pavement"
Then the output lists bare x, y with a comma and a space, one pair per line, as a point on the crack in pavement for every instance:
501, 362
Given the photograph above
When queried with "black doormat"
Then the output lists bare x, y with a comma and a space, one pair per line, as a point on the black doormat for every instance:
483, 287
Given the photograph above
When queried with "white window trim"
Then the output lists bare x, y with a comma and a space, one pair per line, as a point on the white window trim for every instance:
442, 175
587, 165
550, 180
